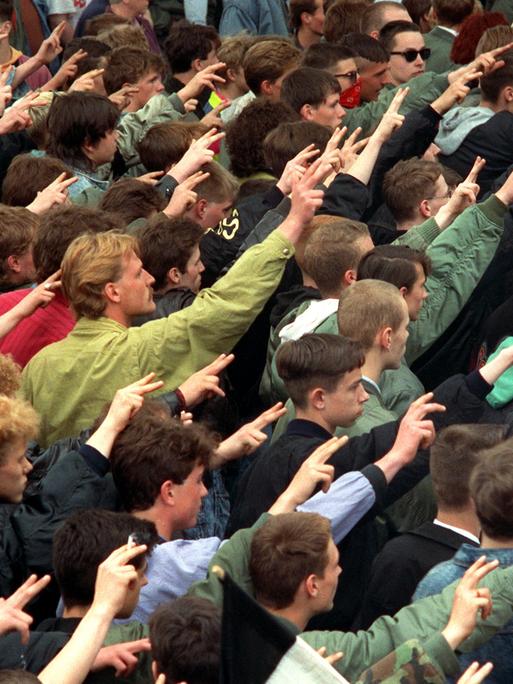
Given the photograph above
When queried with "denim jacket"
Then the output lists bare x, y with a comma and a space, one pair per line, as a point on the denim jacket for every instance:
499, 649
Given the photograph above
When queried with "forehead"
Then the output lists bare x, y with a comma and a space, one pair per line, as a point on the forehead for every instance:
351, 378
344, 65
370, 69
331, 100
421, 276
408, 39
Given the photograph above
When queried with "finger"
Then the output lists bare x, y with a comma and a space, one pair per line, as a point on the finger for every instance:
125, 554
269, 416
397, 100
334, 658
28, 590
337, 136
478, 165
500, 50
94, 73
195, 179
358, 146
323, 453
221, 107
58, 30
217, 366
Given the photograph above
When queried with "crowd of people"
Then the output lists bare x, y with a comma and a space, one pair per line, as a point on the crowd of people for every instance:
256, 341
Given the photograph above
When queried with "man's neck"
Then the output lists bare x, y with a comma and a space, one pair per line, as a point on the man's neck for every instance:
316, 417
230, 90
156, 515
123, 11
75, 611
490, 543
5, 51
465, 520
373, 366
117, 315
305, 37
298, 616
498, 106
409, 223
185, 76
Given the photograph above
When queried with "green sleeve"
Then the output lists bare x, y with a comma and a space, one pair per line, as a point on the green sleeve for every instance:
421, 236
421, 620
423, 90
460, 256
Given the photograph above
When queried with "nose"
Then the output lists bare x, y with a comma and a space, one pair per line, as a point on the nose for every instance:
363, 395
341, 112
160, 86
149, 278
27, 466
204, 491
386, 79
201, 267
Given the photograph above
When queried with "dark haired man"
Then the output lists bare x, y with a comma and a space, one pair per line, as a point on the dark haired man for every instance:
448, 16
314, 94
408, 52
307, 20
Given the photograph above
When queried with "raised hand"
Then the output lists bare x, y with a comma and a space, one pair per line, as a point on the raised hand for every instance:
199, 153
464, 196
184, 197
150, 178
213, 118
469, 600
51, 46
206, 78
40, 296
123, 97
54, 194
351, 149
12, 616
205, 383
122, 657
415, 431
67, 70
87, 82
391, 119
456, 92
295, 168
475, 673
248, 437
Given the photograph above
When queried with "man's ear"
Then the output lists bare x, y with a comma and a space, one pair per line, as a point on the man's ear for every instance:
374, 34
196, 64
425, 208
174, 277
266, 88
13, 263
316, 398
111, 292
312, 586
349, 277
231, 74
166, 493
384, 338
201, 207
306, 112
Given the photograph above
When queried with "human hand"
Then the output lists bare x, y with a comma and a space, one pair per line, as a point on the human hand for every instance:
14, 119
248, 437
475, 674
213, 118
150, 178
5, 90
54, 194
184, 197
456, 92
122, 657
468, 601
127, 401
331, 659
295, 168
464, 196
122, 97
198, 154
391, 119
206, 78
351, 149
113, 580
12, 616
205, 383
490, 61
40, 296
415, 431
51, 46
190, 105
87, 82
68, 69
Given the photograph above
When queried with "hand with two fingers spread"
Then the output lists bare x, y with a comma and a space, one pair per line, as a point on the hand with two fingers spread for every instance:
391, 119
456, 92
12, 615
184, 197
475, 673
295, 168
206, 78
198, 154
205, 383
54, 194
122, 657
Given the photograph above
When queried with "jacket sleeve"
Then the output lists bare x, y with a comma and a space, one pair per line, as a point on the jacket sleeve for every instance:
346, 197
421, 236
423, 90
460, 255
177, 346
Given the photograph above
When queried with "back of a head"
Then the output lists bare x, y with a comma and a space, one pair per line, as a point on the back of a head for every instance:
18, 422
367, 307
308, 86
103, 22
232, 51
288, 139
316, 360
453, 12
331, 251
153, 448
187, 42
394, 264
394, 28
18, 677
495, 37
84, 541
366, 48
407, 183
470, 34
185, 640
27, 175
10, 376
6, 10
418, 10
268, 60
494, 83
129, 64
244, 135
96, 52
491, 489
453, 457
166, 143
341, 19
378, 14
165, 243
59, 228
326, 55
124, 36
285, 550
220, 186
131, 199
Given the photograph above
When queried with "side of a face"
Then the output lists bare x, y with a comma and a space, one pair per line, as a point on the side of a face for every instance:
374, 76
191, 278
315, 21
342, 67
417, 294
345, 403
329, 113
132, 597
327, 584
104, 150
402, 71
187, 498
134, 288
398, 340
215, 212
14, 469
149, 85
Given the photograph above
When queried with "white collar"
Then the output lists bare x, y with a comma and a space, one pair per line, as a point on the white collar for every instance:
458, 530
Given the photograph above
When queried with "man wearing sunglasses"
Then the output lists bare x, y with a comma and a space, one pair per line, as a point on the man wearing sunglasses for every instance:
408, 52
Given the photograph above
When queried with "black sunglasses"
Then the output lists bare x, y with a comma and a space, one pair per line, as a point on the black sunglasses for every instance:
411, 55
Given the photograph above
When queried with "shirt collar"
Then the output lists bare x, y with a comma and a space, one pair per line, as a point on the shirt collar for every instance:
458, 530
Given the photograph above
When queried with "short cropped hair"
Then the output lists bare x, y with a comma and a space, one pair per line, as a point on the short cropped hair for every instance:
165, 243
104, 22
18, 422
153, 448
187, 42
316, 360
343, 18
85, 540
374, 16
19, 227
491, 488
296, 9
452, 12
59, 227
366, 48
27, 175
308, 86
394, 28
10, 376
284, 552
331, 251
185, 637
18, 677
124, 36
6, 10
90, 262
268, 60
453, 457
128, 65
96, 51
288, 139
75, 119
493, 83
166, 143
326, 55
367, 307
244, 135
131, 199
394, 264
220, 186
407, 183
